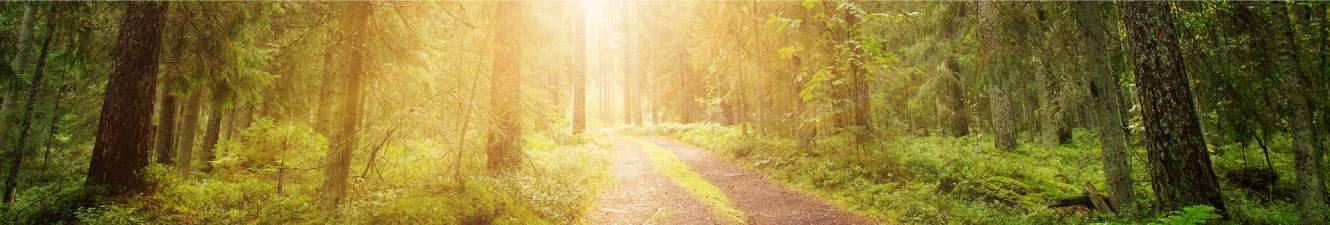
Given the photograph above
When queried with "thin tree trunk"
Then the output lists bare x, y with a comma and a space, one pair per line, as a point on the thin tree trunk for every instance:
579, 69
11, 92
50, 135
1307, 152
1180, 166
25, 125
1104, 92
125, 127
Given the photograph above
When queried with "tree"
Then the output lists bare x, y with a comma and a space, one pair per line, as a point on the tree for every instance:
166, 118
579, 69
338, 163
189, 124
1306, 148
503, 148
25, 124
1104, 91
214, 129
1004, 128
11, 91
1180, 165
124, 129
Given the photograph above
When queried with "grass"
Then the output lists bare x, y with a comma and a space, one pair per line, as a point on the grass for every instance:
671, 166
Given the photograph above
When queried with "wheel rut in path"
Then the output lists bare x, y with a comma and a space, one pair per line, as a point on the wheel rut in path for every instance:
641, 191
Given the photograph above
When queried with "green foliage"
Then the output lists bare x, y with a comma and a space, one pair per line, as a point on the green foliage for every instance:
562, 182
940, 180
1200, 214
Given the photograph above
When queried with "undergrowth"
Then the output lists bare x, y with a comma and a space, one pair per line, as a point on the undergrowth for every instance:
274, 177
957, 180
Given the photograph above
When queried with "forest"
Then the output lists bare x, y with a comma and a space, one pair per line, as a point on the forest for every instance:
664, 112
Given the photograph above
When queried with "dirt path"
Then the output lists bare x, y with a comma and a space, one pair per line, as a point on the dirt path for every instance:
642, 190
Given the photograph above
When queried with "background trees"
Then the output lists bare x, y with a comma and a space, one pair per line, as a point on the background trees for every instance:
382, 99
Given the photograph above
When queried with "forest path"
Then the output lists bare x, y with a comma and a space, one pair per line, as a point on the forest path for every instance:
643, 188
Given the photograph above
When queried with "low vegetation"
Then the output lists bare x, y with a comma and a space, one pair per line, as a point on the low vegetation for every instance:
946, 180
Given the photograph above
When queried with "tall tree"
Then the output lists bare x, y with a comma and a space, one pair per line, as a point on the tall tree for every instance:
166, 118
125, 127
11, 91
338, 164
503, 148
1004, 127
1104, 91
1306, 149
217, 111
579, 68
189, 124
25, 125
1180, 165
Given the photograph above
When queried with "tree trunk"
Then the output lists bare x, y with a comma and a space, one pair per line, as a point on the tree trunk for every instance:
1180, 166
25, 125
1307, 152
327, 93
11, 92
1104, 93
189, 124
338, 162
1004, 128
125, 127
504, 149
213, 134
579, 69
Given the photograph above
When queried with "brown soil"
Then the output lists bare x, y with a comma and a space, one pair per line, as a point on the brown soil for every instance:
642, 190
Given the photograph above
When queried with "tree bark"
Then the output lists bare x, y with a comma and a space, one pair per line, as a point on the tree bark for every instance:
213, 132
338, 162
1180, 166
1104, 91
327, 93
25, 124
1004, 128
125, 127
1307, 152
504, 149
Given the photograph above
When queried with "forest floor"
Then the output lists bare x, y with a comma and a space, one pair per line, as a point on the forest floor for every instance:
647, 192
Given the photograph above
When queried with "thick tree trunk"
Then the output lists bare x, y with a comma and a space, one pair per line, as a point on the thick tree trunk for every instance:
25, 125
579, 70
125, 127
504, 149
1307, 152
1180, 166
1104, 92
1004, 128
189, 124
343, 145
